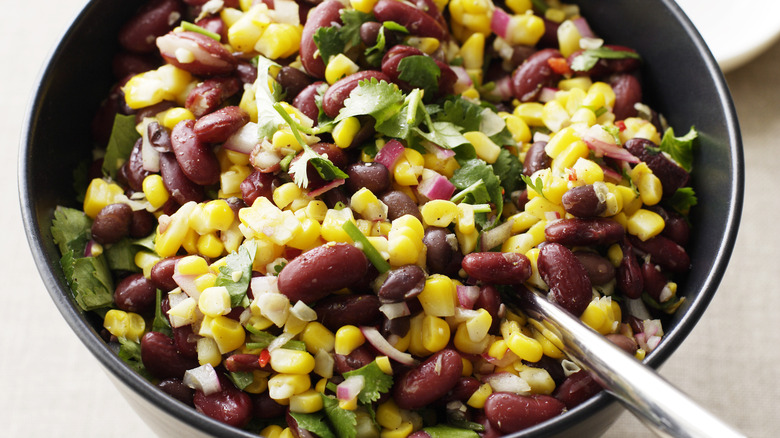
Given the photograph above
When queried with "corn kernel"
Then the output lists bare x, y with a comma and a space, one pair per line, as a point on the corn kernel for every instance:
526, 29
576, 150
478, 398
402, 249
416, 346
383, 362
307, 402
286, 193
100, 194
192, 265
344, 132
478, 326
214, 301
347, 339
462, 341
439, 296
332, 225
316, 210
519, 6
388, 415
483, 145
228, 333
439, 213
145, 260
283, 386
123, 324
587, 171
538, 379
530, 113
279, 40
402, 431
155, 190
435, 333
519, 129
338, 67
473, 51
412, 223
408, 168
645, 224
365, 6
539, 207
210, 245
568, 38
288, 361
308, 237
175, 115
208, 352
525, 347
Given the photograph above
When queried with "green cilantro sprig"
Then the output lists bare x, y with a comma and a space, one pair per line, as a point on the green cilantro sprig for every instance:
588, 58
536, 185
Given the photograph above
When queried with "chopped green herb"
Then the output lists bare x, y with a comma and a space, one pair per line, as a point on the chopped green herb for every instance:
344, 422
130, 353
329, 42
70, 229
682, 200
376, 382
120, 144
535, 185
614, 131
90, 280
351, 20
315, 423
186, 25
368, 249
268, 122
508, 168
680, 148
160, 322
588, 58
443, 431
121, 256
241, 379
420, 71
473, 171
372, 97
236, 273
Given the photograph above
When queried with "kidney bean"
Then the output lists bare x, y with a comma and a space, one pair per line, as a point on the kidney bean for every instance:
577, 388
623, 342
112, 223
152, 110
413, 19
566, 277
358, 358
536, 158
207, 56
584, 231
442, 255
230, 405
392, 61
510, 412
218, 126
365, 133
464, 388
334, 97
326, 14
177, 389
676, 226
429, 381
316, 273
664, 252
161, 357
334, 197
490, 300
671, 175
584, 201
126, 64
161, 273
629, 274
292, 80
142, 224
263, 406
257, 184
181, 188
210, 94
401, 284
396, 326
534, 74
195, 157
336, 311
242, 362
214, 24
134, 171
305, 100
600, 270
550, 36
628, 92
653, 279
185, 340
159, 137
246, 72
154, 19
553, 368
497, 267
135, 294
399, 204
373, 176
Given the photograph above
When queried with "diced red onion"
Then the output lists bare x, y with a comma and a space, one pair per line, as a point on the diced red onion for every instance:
547, 94
551, 216
436, 187
203, 378
583, 27
602, 148
499, 24
440, 152
350, 387
509, 357
244, 140
496, 236
467, 296
503, 89
611, 175
376, 339
187, 284
652, 327
331, 185
390, 153
464, 80
395, 310
637, 308
508, 382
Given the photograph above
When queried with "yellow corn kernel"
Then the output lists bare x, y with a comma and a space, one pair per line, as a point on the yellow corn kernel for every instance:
524, 347
284, 139
218, 215
368, 205
519, 129
561, 141
426, 45
307, 402
584, 116
435, 333
439, 213
123, 324
245, 31
462, 341
205, 281
600, 94
527, 29
580, 82
344, 132
338, 67
615, 254
230, 180
530, 113
192, 265
208, 352
259, 382
478, 398
331, 228
100, 194
347, 339
249, 104
175, 115
629, 198
279, 40
317, 337
587, 171
214, 301
272, 431
402, 249
230, 15
402, 431
568, 38
519, 6
210, 245
539, 207
498, 349
576, 150
522, 221
388, 415
383, 362
283, 386
439, 296
316, 210
483, 145
473, 51
478, 326
550, 349
467, 242
470, 93
308, 237
468, 367
649, 186
288, 361
228, 333
144, 90
466, 218
536, 279
411, 223
537, 378
416, 346
155, 190
554, 116
645, 224
286, 193
477, 23
146, 260
408, 168
363, 5
184, 312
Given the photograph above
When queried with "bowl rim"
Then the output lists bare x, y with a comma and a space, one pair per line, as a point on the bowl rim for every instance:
59, 291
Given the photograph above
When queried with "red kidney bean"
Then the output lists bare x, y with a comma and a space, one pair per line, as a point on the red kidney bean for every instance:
399, 204
463, 389
490, 300
257, 184
623, 342
671, 175
628, 92
263, 406
629, 274
334, 97
534, 74
600, 270
676, 226
195, 157
664, 252
553, 368
429, 381
154, 19
214, 24
536, 158
134, 168
218, 126
336, 311
161, 357
510, 412
242, 362
181, 188
127, 64
358, 358
567, 279
497, 267
142, 224
401, 284
653, 279
583, 201
186, 341
413, 19
177, 389
246, 72
210, 94
550, 36
373, 176
442, 255
334, 197
326, 14
161, 273
112, 223
577, 388
316, 273
159, 137
305, 100
297, 431
584, 231
230, 405
136, 294
209, 57
292, 80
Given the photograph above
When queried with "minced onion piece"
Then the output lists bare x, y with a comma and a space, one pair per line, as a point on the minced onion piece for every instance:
500, 23
583, 27
244, 140
569, 367
464, 81
376, 339
436, 186
509, 358
636, 307
303, 312
547, 94
187, 284
467, 296
350, 387
203, 378
330, 185
150, 156
280, 341
496, 236
508, 382
395, 310
389, 154
286, 12
323, 364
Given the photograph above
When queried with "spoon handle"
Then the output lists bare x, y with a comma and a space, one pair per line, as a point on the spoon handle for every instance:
663, 408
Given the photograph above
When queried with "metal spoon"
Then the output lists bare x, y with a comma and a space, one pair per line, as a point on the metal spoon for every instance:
663, 408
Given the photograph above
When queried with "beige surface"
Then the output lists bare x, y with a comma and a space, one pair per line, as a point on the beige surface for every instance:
52, 387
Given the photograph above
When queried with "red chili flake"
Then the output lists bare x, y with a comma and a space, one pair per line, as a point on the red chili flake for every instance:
265, 356
559, 65
572, 174
621, 125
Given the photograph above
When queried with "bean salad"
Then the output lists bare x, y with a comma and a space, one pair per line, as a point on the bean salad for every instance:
303, 217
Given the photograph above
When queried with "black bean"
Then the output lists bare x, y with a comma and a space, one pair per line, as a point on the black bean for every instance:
112, 223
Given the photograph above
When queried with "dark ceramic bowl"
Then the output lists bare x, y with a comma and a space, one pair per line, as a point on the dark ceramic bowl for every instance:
681, 80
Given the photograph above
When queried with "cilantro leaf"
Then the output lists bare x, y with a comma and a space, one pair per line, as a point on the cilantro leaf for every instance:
378, 99
349, 32
121, 256
536, 185
266, 95
461, 112
241, 379
420, 71
90, 280
120, 144
682, 200
614, 131
376, 382
130, 353
329, 42
680, 148
314, 423
160, 322
472, 172
399, 125
70, 229
236, 273
443, 431
508, 169
588, 58
444, 134
344, 422
375, 53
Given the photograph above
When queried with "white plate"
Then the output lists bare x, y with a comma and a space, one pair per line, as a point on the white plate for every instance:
735, 31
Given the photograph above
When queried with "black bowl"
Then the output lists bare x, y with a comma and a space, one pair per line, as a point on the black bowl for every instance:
681, 80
